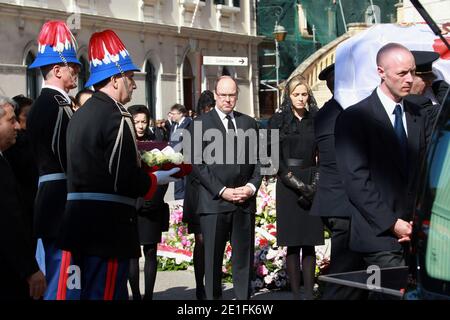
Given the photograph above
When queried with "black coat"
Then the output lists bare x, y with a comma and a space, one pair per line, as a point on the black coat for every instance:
377, 183
46, 127
330, 199
102, 228
17, 261
20, 158
295, 227
212, 178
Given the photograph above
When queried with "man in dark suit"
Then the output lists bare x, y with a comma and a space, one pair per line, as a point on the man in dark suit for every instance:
229, 176
330, 201
380, 143
180, 122
21, 277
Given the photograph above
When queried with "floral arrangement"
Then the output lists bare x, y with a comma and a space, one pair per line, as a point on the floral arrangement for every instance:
176, 247
269, 262
156, 157
166, 159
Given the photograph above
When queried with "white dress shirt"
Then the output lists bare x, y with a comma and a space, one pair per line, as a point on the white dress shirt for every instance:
389, 106
223, 117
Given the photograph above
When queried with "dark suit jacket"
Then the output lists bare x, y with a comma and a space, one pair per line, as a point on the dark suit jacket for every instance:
214, 176
330, 199
17, 261
379, 187
176, 132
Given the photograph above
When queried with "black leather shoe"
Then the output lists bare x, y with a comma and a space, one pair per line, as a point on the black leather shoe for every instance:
200, 293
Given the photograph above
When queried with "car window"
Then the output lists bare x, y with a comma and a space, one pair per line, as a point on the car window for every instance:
437, 260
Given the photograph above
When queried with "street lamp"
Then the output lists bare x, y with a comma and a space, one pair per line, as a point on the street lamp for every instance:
279, 33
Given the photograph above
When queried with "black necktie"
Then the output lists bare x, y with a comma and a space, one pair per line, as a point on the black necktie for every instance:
232, 135
400, 132
230, 123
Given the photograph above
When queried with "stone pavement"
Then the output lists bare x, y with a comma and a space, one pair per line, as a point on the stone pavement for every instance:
180, 285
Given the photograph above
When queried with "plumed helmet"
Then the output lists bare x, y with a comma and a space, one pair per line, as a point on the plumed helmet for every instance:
107, 57
56, 44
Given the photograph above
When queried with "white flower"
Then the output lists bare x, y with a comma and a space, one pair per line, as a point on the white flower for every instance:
176, 158
268, 279
271, 254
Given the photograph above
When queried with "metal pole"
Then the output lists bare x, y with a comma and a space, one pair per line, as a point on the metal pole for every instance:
343, 16
277, 65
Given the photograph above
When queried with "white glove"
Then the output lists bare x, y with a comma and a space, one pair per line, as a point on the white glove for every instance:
164, 176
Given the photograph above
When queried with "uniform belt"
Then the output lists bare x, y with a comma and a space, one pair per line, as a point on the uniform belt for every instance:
135, 203
295, 162
51, 177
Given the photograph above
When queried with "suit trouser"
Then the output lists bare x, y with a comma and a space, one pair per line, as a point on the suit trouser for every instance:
342, 260
384, 259
217, 229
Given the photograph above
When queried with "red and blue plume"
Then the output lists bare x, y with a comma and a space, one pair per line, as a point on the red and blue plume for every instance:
57, 35
107, 56
105, 47
56, 44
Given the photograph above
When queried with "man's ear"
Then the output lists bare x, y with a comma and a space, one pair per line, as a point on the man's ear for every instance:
115, 82
56, 70
381, 72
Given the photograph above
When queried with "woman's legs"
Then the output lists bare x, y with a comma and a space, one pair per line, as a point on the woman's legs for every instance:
150, 268
133, 278
293, 270
199, 266
308, 269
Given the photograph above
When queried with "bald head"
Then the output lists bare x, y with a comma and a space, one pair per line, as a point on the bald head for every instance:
390, 50
396, 68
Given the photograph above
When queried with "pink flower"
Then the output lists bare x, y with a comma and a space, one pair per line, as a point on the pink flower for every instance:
262, 270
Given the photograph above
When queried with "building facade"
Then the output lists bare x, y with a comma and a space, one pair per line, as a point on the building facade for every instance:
167, 40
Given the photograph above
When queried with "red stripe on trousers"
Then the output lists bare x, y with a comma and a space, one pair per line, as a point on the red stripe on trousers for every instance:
107, 294
63, 275
115, 266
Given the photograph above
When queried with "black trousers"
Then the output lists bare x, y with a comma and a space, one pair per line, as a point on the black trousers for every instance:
342, 260
217, 229
384, 259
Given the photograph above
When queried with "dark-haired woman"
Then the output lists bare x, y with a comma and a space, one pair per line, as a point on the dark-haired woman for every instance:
296, 229
153, 217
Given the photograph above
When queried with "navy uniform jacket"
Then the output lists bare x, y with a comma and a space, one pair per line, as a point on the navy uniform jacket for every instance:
102, 159
380, 187
330, 199
17, 260
46, 128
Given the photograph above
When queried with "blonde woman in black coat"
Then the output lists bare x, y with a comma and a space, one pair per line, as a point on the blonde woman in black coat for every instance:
295, 189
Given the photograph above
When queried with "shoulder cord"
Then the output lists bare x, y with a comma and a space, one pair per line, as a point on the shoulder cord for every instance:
126, 118
57, 131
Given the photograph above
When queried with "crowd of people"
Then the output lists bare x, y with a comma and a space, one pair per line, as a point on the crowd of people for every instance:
72, 177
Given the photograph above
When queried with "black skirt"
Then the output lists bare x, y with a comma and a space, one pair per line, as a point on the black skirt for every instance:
153, 218
295, 227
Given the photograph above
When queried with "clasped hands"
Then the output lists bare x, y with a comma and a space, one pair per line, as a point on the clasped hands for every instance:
402, 230
237, 195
